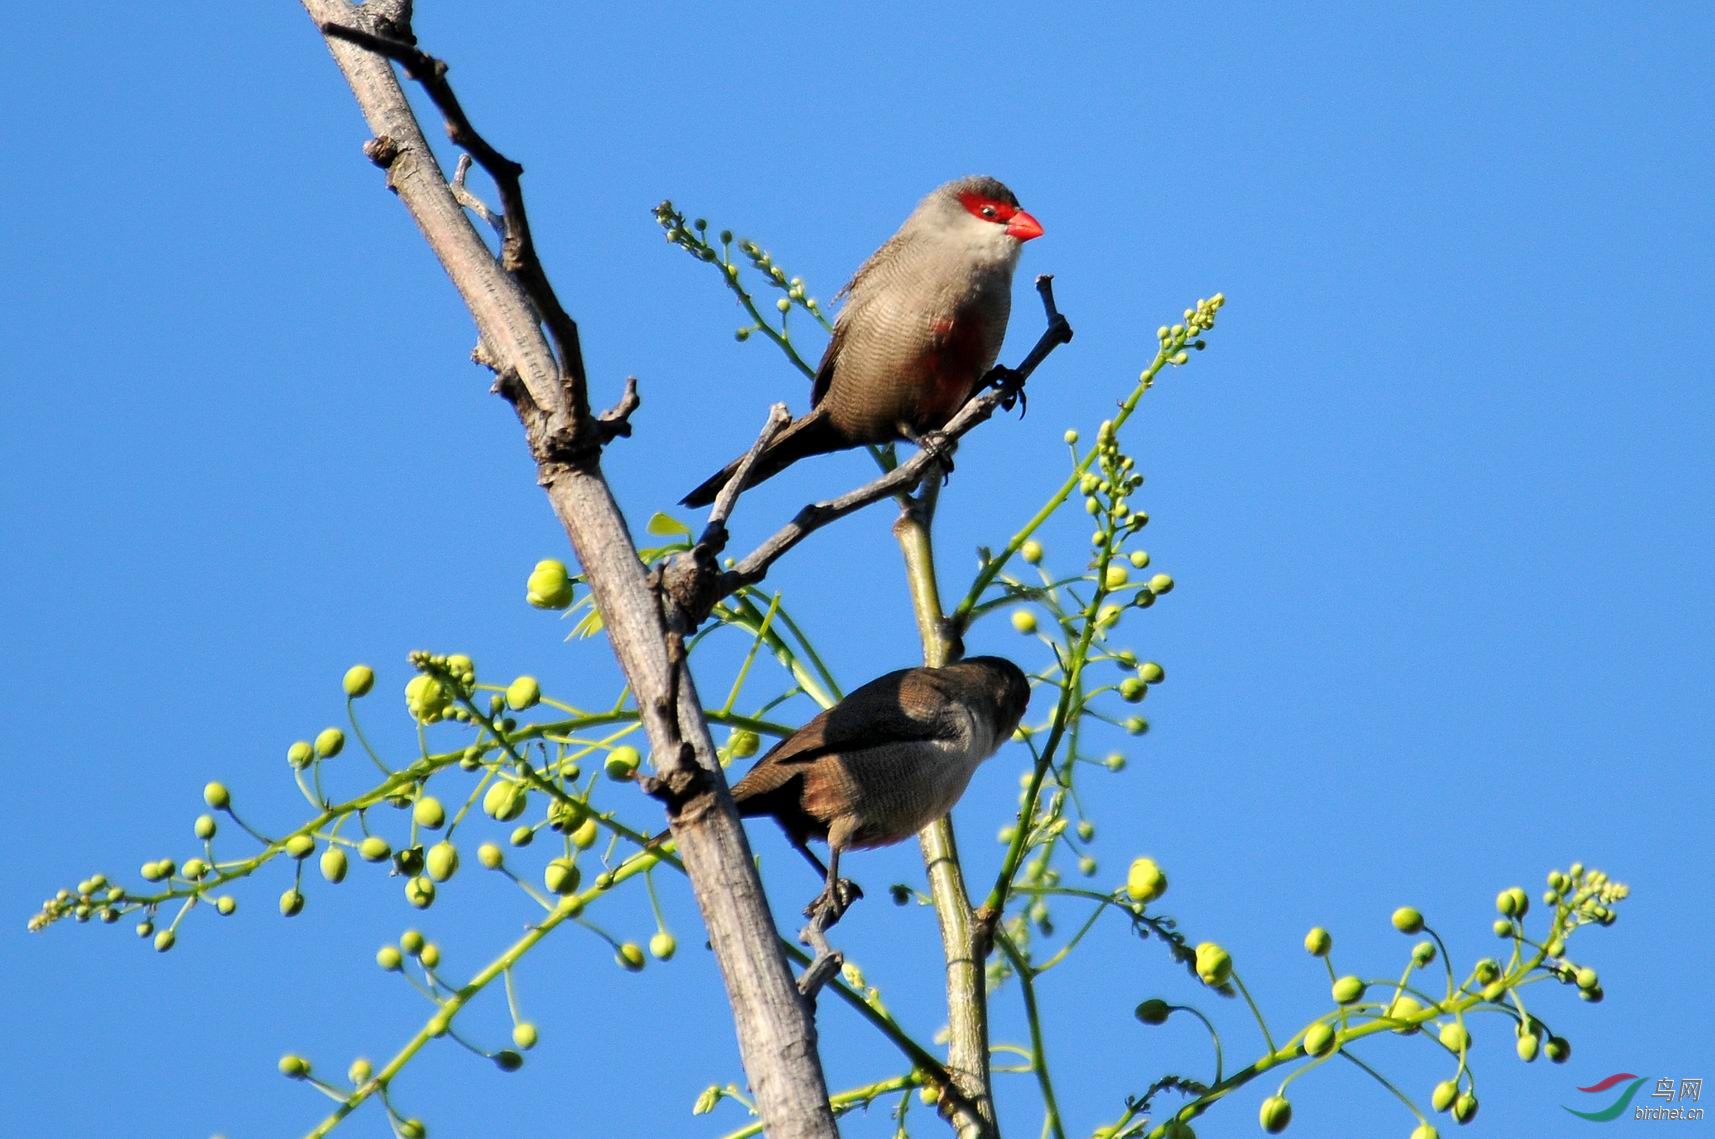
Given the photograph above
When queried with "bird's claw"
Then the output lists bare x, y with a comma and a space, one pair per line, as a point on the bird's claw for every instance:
1010, 384
833, 902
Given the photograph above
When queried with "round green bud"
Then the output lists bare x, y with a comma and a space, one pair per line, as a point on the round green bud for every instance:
1214, 964
1115, 577
490, 856
412, 941
505, 800
1276, 1113
1114, 762
1503, 927
205, 827
1087, 866
413, 1129
359, 1072
1348, 990
428, 812
1425, 1131
374, 848
1178, 1129
216, 796
294, 1067
1086, 830
442, 861
743, 744
1318, 942
629, 957
1586, 978
1454, 1038
1521, 901
145, 928
431, 955
300, 754
550, 586
334, 864
420, 892
1527, 1045
426, 699
663, 945
561, 876
1136, 726
522, 836
524, 1035
388, 958
1151, 673
523, 693
359, 679
1108, 615
1161, 583
508, 1060
1154, 1011
1465, 1107
226, 905
1404, 1008
195, 869
1139, 559
1487, 970
622, 763
1031, 551
1422, 954
291, 903
163, 940
1133, 690
300, 845
1444, 1094
584, 836
1071, 437
1024, 621
1318, 1040
1144, 880
1558, 1049
330, 742
1407, 920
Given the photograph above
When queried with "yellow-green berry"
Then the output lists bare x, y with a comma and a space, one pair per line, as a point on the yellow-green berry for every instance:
412, 941
1348, 990
216, 796
524, 1035
663, 945
374, 848
442, 861
1318, 942
1214, 964
430, 956
205, 827
1024, 621
1151, 673
1144, 880
1276, 1113
1031, 551
1408, 920
1527, 1046
388, 958
428, 812
294, 1067
1586, 978
333, 864
523, 693
164, 940
1139, 559
359, 679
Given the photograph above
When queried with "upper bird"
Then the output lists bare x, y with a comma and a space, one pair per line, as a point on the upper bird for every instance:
923, 323
886, 761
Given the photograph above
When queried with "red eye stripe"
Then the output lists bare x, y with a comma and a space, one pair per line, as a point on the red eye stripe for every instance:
976, 204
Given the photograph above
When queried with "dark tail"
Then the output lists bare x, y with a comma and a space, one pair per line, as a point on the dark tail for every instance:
811, 435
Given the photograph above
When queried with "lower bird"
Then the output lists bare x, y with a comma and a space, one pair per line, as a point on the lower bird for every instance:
883, 763
922, 325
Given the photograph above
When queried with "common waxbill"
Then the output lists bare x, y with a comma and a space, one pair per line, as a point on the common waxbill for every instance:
923, 322
886, 761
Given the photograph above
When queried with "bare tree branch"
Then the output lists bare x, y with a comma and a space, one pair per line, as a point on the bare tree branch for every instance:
511, 300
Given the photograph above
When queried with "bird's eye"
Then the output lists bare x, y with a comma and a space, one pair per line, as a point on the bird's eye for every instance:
989, 212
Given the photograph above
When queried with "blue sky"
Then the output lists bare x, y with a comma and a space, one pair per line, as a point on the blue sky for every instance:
1437, 500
